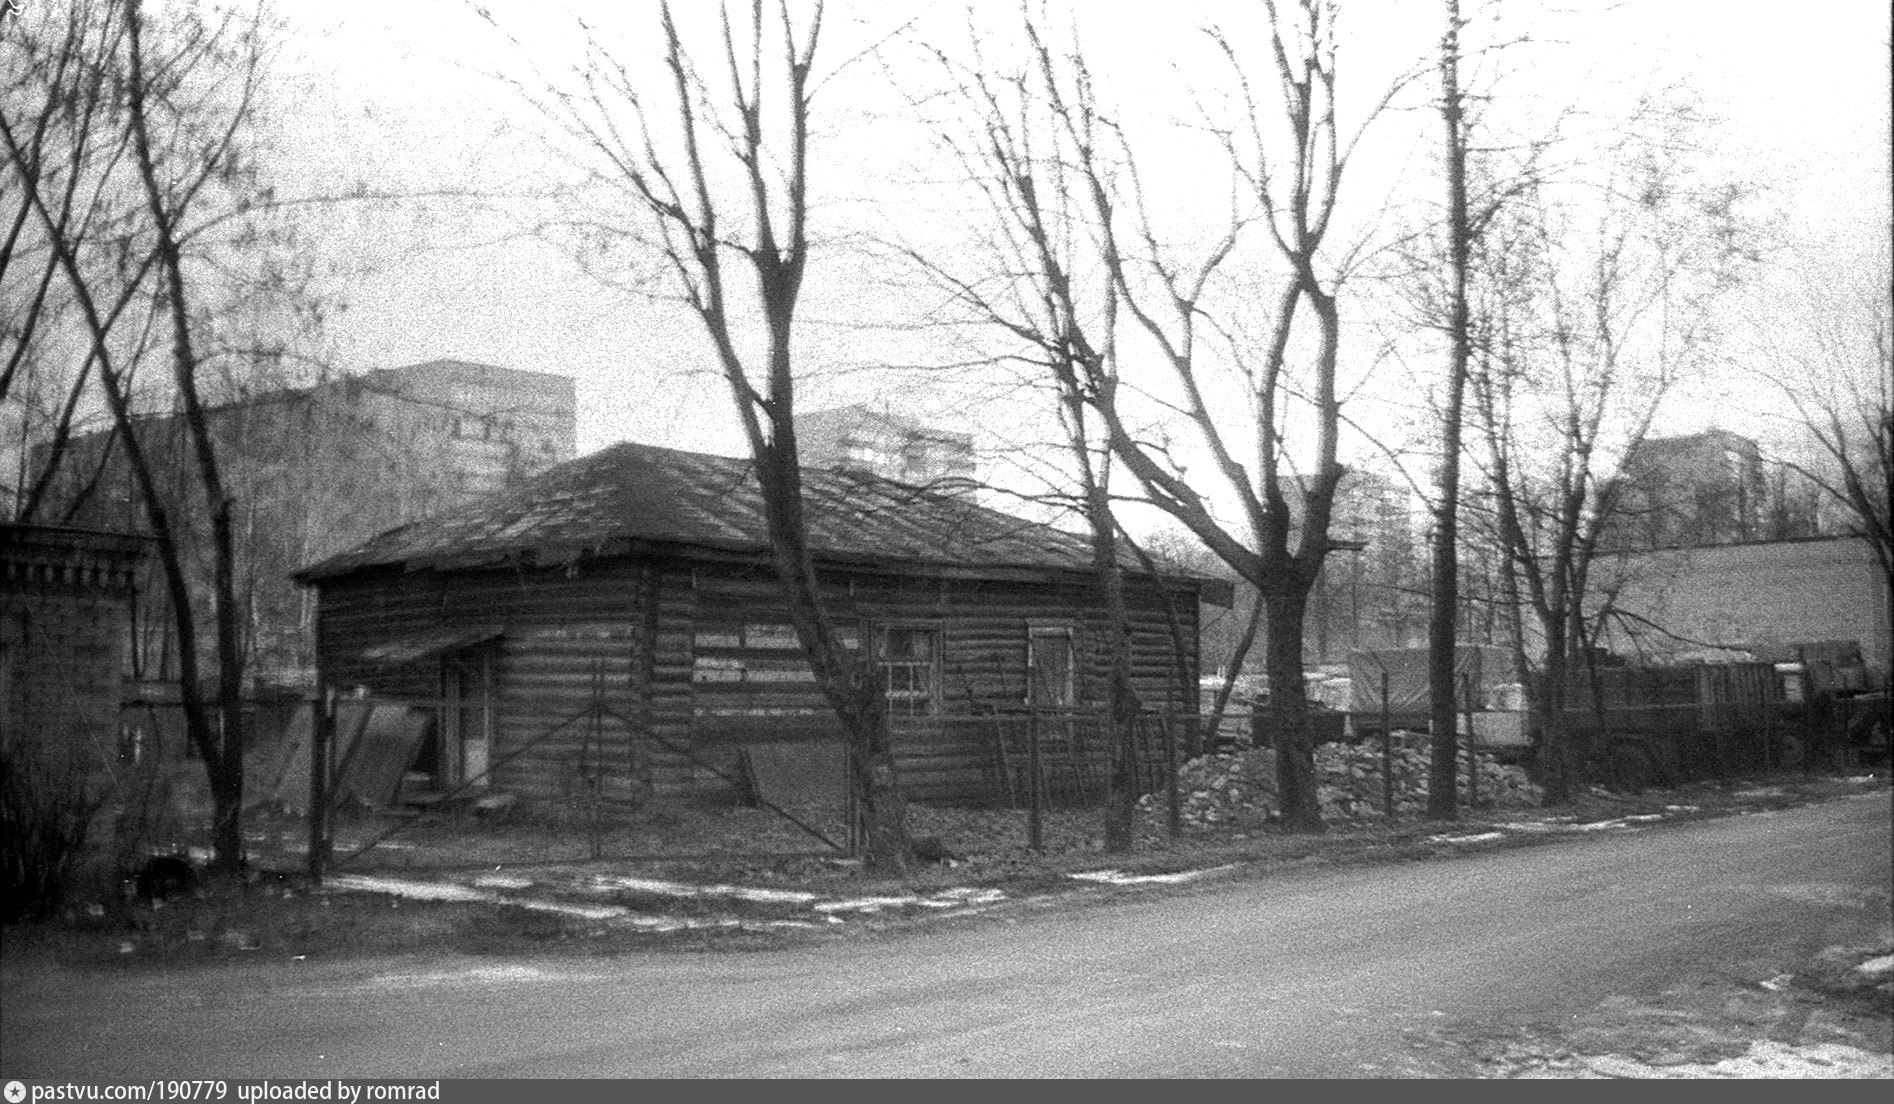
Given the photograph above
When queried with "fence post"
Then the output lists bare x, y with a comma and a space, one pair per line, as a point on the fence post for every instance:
1473, 751
1035, 837
1170, 775
321, 737
1387, 751
851, 805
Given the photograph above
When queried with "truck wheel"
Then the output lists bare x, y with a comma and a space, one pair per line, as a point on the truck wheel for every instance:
1630, 769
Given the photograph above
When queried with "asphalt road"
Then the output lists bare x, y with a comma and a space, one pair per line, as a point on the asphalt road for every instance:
1312, 974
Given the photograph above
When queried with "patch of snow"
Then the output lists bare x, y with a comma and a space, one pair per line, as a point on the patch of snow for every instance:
1119, 877
503, 881
1615, 822
866, 904
1764, 1059
1681, 808
1475, 837
761, 894
1765, 791
1876, 968
476, 975
588, 912
971, 895
401, 887
617, 882
612, 882
654, 923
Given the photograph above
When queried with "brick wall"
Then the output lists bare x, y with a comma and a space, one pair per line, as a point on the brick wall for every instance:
65, 602
1779, 592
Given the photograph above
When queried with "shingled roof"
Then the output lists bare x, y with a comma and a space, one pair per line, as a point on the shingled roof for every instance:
630, 498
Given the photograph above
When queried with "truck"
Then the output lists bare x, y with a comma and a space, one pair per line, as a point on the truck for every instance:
1388, 689
1787, 706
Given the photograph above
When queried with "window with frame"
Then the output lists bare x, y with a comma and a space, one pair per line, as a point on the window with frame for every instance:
907, 659
1051, 667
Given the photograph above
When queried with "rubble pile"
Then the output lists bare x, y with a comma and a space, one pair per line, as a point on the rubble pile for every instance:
1238, 789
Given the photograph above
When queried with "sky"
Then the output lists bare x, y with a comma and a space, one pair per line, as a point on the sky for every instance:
403, 95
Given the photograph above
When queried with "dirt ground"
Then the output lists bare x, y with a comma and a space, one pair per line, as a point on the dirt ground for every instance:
597, 880
681, 878
1825, 1017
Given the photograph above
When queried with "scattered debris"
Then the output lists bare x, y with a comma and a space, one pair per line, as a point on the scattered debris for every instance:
1240, 787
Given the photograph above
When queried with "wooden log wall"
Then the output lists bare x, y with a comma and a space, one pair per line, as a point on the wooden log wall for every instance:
578, 677
367, 609
694, 661
983, 628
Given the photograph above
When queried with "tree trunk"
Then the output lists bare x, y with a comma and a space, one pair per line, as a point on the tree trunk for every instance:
1289, 712
1122, 705
1443, 799
847, 681
1554, 758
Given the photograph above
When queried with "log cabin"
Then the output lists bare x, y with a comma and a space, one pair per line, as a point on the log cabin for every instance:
615, 623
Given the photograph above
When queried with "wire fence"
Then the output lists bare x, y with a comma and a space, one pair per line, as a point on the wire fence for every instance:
356, 781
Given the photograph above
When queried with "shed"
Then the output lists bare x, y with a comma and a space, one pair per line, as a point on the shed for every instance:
615, 623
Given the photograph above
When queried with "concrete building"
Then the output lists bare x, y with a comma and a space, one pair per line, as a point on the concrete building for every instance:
314, 470
1372, 591
1680, 492
859, 438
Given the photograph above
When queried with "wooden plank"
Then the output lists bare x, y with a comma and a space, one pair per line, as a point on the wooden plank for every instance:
388, 745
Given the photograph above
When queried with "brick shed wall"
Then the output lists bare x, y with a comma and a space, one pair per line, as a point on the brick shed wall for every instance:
63, 635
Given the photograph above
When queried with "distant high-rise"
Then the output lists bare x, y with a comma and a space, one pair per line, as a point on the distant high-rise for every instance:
860, 438
1702, 489
1371, 593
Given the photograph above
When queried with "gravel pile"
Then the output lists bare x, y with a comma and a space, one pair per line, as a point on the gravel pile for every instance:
1238, 789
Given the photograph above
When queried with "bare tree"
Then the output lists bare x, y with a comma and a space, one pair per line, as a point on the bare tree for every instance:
720, 177
1599, 299
135, 153
1020, 145
1200, 385
1446, 304
1840, 383
1442, 780
1290, 157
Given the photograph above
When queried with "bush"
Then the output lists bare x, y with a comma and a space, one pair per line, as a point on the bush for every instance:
44, 815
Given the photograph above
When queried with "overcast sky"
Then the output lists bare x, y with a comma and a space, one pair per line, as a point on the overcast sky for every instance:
396, 92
